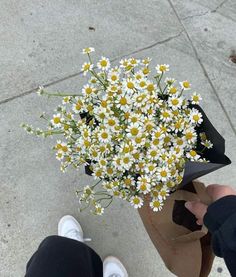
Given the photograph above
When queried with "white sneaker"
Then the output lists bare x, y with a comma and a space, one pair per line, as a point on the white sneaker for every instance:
112, 267
70, 228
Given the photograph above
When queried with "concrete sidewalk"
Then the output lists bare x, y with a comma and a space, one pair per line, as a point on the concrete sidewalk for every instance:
40, 44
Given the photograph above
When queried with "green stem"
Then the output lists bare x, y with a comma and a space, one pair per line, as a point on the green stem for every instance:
61, 94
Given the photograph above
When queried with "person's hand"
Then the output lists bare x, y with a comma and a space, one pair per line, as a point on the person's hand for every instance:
215, 192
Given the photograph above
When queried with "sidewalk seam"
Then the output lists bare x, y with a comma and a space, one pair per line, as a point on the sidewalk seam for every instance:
203, 68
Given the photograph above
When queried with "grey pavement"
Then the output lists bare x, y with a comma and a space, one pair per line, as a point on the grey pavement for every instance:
40, 44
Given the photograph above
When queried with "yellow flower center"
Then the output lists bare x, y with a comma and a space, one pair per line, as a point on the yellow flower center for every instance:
103, 63
130, 85
153, 153
126, 160
64, 148
143, 187
111, 122
193, 153
127, 182
142, 84
136, 201
113, 77
88, 90
165, 114
189, 135
103, 162
175, 101
173, 90
162, 68
146, 70
155, 141
186, 84
109, 170
123, 101
138, 140
86, 66
134, 131
156, 204
86, 143
56, 120
104, 103
136, 155
98, 173
196, 117
151, 167
163, 173
104, 135
150, 87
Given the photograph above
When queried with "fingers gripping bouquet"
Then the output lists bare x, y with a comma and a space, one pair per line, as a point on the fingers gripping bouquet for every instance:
134, 133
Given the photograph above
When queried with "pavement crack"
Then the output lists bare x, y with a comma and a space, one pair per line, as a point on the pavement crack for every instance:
219, 6
195, 15
79, 73
205, 13
203, 67
153, 45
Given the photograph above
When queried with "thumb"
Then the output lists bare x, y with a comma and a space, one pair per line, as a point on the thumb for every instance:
197, 208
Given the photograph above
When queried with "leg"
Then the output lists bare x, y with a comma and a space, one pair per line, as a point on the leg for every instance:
63, 257
66, 255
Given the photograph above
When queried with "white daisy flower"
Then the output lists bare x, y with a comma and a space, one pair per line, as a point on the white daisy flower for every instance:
195, 116
192, 155
129, 84
144, 187
123, 102
99, 210
126, 161
156, 204
175, 102
163, 193
86, 67
103, 64
57, 120
136, 201
104, 135
169, 81
134, 130
113, 76
153, 153
162, 68
163, 173
207, 144
190, 135
146, 61
185, 85
166, 115
66, 100
88, 50
196, 98
88, 90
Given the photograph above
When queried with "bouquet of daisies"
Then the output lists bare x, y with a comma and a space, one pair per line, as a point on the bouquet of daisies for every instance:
133, 129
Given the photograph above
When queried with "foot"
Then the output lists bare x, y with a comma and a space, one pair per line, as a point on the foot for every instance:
70, 228
112, 267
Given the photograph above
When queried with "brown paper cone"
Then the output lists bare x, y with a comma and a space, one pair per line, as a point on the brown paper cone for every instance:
185, 253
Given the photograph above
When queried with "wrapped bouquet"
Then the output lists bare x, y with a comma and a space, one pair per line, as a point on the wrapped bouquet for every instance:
134, 129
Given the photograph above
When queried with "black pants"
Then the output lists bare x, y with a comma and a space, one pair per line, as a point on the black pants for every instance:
63, 257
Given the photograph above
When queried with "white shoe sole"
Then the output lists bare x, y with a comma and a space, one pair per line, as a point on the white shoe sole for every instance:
71, 218
112, 259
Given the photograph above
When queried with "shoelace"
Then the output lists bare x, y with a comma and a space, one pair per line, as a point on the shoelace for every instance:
73, 233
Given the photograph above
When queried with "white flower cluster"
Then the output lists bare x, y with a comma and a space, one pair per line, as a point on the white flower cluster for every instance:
135, 133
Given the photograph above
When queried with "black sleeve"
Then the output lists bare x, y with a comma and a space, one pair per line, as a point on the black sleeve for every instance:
220, 220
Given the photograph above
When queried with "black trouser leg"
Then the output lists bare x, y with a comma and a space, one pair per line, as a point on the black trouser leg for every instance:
63, 257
